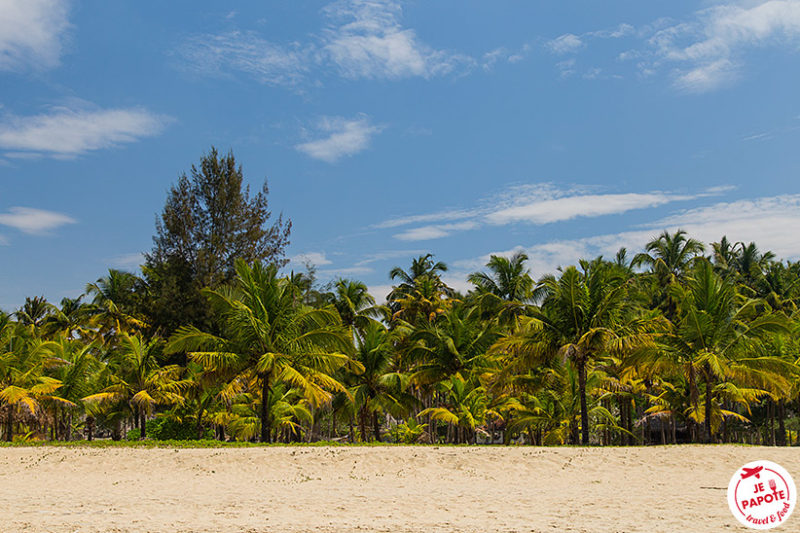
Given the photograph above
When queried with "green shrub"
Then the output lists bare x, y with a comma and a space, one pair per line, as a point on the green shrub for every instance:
133, 434
163, 428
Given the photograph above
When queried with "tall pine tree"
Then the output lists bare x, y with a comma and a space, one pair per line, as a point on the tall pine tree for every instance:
209, 220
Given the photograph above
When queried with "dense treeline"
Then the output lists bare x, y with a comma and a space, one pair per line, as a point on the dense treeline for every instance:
679, 343
673, 345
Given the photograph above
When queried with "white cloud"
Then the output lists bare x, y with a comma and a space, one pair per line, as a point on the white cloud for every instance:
431, 217
64, 132
314, 258
538, 204
708, 49
569, 207
366, 40
128, 261
388, 254
425, 233
773, 223
361, 39
380, 292
344, 137
34, 221
330, 273
565, 44
32, 33
268, 63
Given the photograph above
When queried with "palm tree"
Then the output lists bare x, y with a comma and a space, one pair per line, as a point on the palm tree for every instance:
354, 303
507, 287
24, 385
115, 304
457, 344
77, 376
508, 278
465, 407
583, 316
421, 266
138, 381
669, 257
713, 337
670, 254
34, 311
379, 388
421, 282
269, 335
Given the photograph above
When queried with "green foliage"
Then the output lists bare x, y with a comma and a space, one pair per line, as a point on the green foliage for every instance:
167, 428
409, 432
672, 346
208, 222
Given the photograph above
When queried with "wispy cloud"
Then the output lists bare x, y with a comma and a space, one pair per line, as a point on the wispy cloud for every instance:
360, 39
331, 273
536, 204
701, 52
548, 210
66, 132
772, 222
313, 258
564, 44
34, 221
426, 233
388, 254
707, 50
341, 138
32, 33
430, 217
366, 40
228, 53
127, 261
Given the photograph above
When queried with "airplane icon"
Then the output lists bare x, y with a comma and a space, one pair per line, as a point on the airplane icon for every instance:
748, 472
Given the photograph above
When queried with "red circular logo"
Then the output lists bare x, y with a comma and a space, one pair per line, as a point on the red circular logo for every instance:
762, 495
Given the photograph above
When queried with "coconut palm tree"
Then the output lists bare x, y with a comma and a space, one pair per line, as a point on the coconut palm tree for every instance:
584, 314
422, 281
508, 278
380, 387
506, 288
115, 303
669, 257
138, 381
714, 337
34, 311
269, 335
457, 344
465, 407
25, 387
354, 303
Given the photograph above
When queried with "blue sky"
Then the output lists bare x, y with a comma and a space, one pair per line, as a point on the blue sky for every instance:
388, 129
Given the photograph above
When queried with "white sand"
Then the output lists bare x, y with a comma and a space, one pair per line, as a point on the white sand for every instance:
392, 489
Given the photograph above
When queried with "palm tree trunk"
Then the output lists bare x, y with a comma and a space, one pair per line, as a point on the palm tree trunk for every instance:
9, 423
142, 425
674, 429
623, 438
584, 407
709, 436
376, 427
781, 440
693, 398
362, 423
352, 433
266, 430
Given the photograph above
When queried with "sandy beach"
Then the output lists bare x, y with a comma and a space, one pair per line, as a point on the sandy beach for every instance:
395, 489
